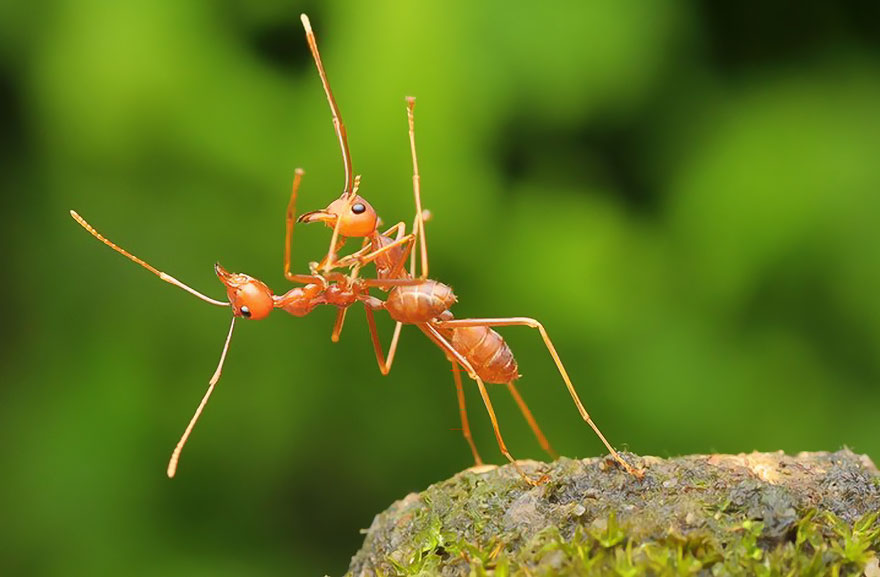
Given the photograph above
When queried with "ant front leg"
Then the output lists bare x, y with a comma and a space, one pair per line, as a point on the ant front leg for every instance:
529, 322
398, 263
336, 239
406, 242
354, 259
403, 243
290, 220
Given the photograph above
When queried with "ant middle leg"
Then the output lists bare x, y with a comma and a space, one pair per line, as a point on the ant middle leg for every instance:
384, 365
337, 326
530, 322
385, 368
462, 410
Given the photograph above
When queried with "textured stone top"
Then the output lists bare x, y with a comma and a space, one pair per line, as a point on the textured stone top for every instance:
709, 514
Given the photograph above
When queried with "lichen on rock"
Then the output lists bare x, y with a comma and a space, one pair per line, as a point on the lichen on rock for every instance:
762, 513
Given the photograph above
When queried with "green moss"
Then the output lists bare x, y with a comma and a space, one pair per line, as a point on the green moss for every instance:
823, 545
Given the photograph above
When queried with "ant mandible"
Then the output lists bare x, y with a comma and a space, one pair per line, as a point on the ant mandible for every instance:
412, 298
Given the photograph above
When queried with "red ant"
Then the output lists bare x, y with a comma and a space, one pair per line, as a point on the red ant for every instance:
412, 299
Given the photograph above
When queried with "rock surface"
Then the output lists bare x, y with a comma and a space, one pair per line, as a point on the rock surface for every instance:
704, 514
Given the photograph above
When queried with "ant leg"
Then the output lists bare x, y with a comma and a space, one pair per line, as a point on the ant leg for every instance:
384, 366
337, 326
418, 223
419, 227
406, 241
175, 456
354, 259
327, 264
336, 239
290, 220
398, 229
438, 339
524, 409
366, 254
165, 277
390, 282
462, 409
350, 260
529, 322
399, 265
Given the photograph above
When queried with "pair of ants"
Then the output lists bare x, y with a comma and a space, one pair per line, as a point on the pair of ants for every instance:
412, 298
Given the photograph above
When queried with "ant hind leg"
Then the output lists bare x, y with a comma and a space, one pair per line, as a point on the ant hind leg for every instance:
529, 322
447, 348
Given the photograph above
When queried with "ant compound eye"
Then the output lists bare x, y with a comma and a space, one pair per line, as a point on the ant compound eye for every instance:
245, 312
358, 208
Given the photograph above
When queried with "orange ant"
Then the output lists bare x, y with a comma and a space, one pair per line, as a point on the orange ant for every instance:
412, 299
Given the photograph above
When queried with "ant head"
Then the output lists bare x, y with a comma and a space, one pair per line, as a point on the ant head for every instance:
248, 297
355, 215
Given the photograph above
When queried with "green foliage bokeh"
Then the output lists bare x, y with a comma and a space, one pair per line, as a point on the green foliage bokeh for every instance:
686, 194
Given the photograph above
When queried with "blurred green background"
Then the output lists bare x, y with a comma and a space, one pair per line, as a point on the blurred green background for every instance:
686, 194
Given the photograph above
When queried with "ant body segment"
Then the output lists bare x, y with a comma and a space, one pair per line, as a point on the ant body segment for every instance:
412, 298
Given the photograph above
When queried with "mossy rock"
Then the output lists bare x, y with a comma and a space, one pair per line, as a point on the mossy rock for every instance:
757, 514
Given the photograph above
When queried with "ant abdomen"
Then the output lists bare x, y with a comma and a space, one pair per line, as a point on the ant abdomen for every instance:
487, 352
419, 303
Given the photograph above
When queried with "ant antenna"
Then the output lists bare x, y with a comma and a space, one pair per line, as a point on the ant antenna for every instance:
417, 191
337, 120
166, 277
175, 456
